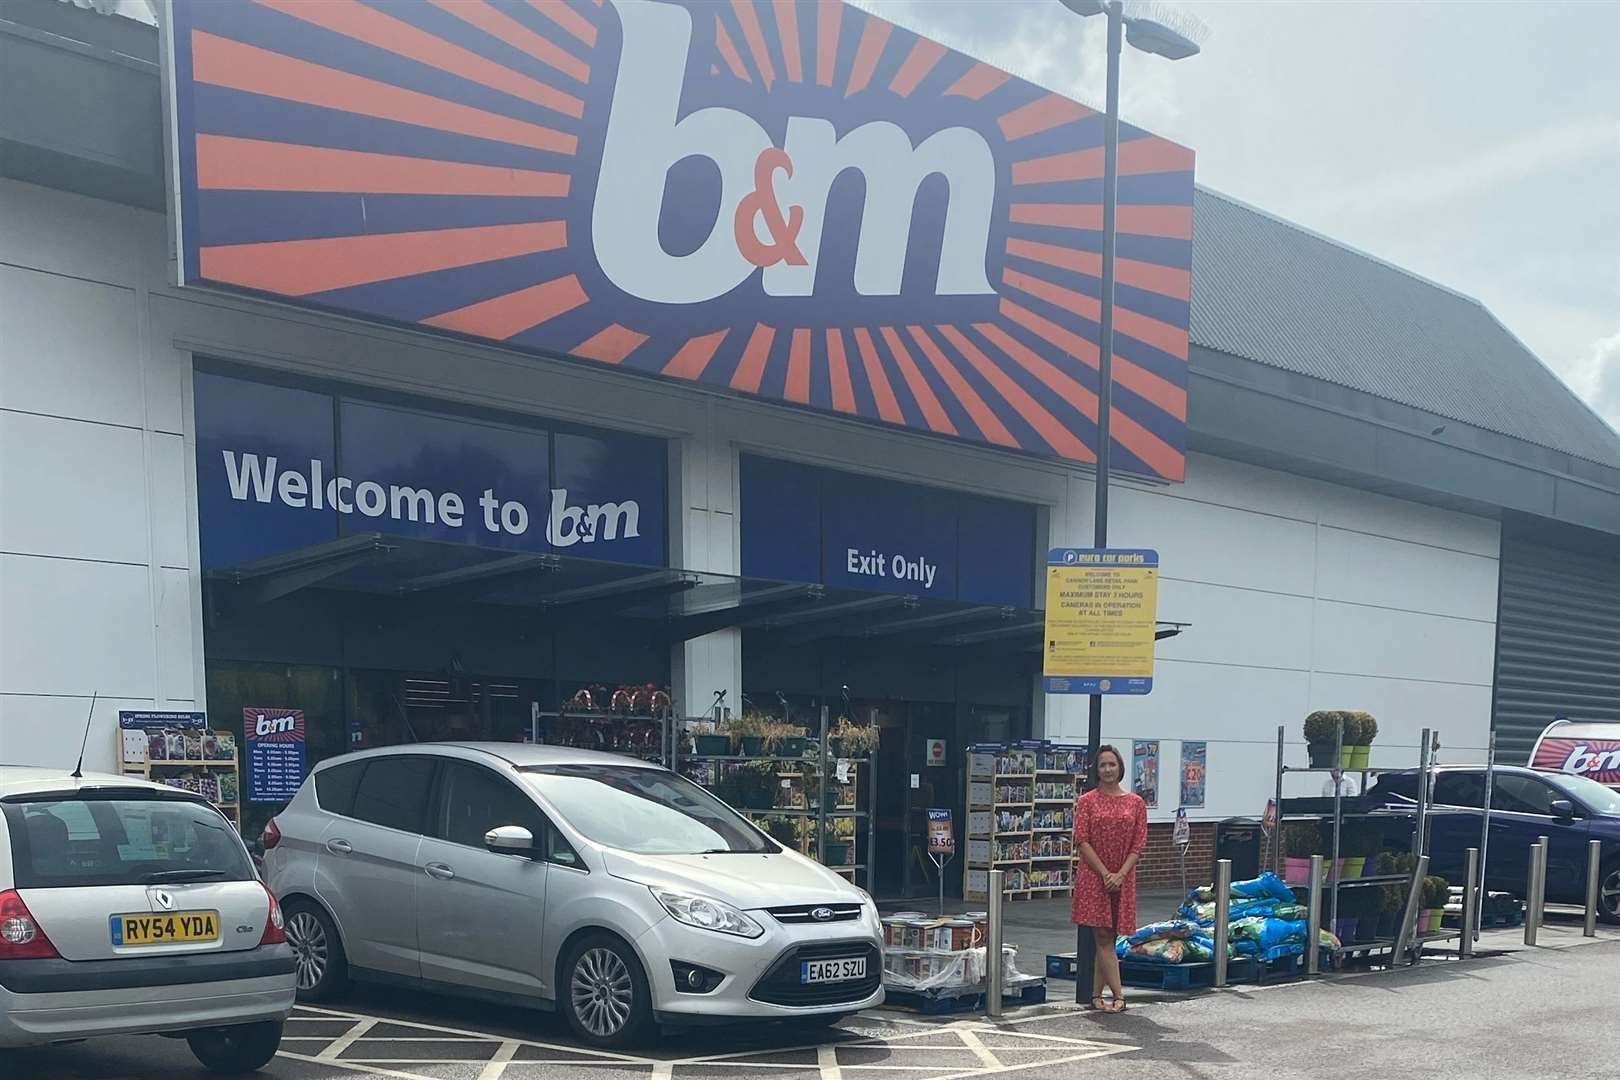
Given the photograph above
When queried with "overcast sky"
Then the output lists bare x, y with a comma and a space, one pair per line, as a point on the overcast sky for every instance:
1475, 143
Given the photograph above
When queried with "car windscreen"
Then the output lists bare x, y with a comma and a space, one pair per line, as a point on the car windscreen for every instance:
1587, 792
645, 811
67, 842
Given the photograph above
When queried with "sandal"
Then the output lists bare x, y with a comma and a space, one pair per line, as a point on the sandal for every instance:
1118, 1006
1098, 1004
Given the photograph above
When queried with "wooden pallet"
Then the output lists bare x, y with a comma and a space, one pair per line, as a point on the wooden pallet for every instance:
1030, 990
1239, 969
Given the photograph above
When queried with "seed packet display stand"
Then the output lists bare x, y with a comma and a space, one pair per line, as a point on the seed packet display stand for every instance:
1406, 935
1020, 819
805, 782
218, 779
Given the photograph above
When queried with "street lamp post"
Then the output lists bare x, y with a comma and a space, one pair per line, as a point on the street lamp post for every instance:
1151, 35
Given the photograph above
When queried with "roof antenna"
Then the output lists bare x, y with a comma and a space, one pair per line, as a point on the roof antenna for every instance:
78, 770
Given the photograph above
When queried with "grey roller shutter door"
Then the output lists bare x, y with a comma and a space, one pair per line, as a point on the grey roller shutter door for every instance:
1557, 642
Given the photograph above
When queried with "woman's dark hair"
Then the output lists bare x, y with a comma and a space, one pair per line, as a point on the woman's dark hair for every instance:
1107, 748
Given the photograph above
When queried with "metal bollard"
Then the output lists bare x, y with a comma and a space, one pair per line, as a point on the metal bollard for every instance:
1594, 878
1313, 946
1470, 919
992, 947
1223, 913
1407, 933
1535, 890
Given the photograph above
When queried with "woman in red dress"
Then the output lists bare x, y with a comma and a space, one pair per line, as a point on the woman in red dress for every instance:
1110, 833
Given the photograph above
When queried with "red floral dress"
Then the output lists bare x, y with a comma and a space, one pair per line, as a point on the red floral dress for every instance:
1115, 826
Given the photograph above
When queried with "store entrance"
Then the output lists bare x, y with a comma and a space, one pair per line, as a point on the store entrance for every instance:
919, 768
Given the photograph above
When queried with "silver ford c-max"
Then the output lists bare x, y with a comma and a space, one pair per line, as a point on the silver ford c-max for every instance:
612, 890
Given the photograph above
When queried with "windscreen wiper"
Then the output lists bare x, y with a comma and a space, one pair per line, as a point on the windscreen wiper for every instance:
180, 876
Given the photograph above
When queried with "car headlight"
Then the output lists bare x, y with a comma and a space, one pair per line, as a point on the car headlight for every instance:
706, 914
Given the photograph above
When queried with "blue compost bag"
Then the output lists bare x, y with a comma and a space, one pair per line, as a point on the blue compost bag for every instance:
1204, 914
1264, 886
1173, 928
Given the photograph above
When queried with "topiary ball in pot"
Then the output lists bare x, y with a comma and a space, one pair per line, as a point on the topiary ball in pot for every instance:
1321, 736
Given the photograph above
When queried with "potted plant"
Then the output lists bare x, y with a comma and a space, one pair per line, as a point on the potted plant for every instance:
1346, 925
854, 740
1352, 732
1322, 729
747, 733
1393, 907
1361, 844
1365, 906
782, 739
1436, 894
839, 839
1366, 732
753, 784
1301, 840
705, 741
784, 830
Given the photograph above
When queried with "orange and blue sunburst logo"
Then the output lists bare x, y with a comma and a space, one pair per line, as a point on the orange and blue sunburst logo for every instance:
793, 200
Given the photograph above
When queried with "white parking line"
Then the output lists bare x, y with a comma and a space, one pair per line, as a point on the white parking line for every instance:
497, 1064
343, 1042
969, 1055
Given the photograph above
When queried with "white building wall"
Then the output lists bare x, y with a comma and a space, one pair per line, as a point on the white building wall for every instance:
98, 592
1301, 594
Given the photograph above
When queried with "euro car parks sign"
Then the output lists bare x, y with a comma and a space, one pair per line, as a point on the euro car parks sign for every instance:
1101, 611
796, 201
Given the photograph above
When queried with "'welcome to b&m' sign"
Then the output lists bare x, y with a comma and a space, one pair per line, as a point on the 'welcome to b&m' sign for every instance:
794, 200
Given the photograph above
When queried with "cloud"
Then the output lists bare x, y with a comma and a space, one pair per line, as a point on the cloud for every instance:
1562, 146
1602, 367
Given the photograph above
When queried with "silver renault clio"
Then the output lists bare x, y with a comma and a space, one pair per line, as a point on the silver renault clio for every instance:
130, 908
614, 891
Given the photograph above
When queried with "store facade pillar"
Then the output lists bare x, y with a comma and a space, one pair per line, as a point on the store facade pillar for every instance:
703, 537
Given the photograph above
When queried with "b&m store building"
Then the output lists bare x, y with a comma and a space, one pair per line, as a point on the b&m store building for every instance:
420, 367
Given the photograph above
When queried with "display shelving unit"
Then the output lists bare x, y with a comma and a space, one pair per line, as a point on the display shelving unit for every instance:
1020, 818
192, 758
1338, 817
804, 790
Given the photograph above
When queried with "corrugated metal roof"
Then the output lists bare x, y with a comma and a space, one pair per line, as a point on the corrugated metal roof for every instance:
1281, 295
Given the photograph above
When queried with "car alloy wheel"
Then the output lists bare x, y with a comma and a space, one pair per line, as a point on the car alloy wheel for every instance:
602, 992
307, 937
1609, 896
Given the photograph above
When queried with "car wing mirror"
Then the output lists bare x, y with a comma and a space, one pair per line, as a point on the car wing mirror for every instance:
1563, 809
510, 840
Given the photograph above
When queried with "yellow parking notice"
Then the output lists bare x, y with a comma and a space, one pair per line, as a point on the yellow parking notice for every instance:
1101, 612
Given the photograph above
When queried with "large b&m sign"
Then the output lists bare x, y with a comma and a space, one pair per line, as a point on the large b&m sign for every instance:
793, 200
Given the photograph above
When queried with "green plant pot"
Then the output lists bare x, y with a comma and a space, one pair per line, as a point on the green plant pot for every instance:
1359, 756
1321, 755
753, 746
716, 745
792, 747
835, 748
1436, 919
836, 852
1353, 866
